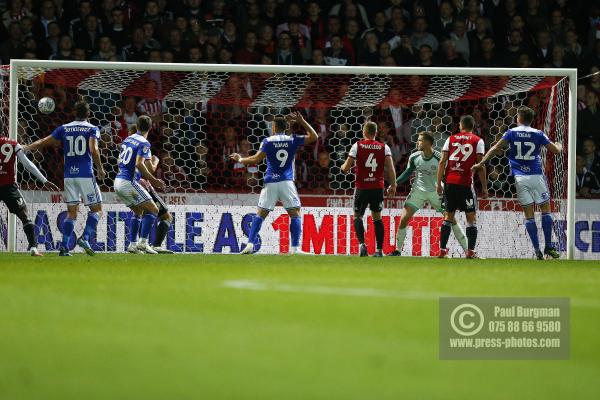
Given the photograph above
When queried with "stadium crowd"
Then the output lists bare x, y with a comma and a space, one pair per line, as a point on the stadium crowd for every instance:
423, 33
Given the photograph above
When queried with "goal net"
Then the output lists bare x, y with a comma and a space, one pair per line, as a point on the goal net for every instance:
201, 114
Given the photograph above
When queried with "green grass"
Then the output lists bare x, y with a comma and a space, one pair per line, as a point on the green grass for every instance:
166, 327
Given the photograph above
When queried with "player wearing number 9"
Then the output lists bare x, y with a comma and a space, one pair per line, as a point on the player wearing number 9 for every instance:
280, 151
79, 140
525, 144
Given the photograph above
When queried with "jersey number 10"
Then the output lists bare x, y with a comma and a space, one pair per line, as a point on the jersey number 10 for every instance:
76, 146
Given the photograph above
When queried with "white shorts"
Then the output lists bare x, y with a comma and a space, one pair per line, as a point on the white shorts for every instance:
532, 189
131, 193
417, 198
82, 189
284, 191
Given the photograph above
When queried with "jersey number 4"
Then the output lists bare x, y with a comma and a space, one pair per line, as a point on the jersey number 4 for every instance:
466, 150
371, 162
530, 148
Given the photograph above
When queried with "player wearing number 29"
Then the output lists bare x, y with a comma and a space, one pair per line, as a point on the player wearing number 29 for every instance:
280, 150
460, 152
10, 152
79, 140
372, 159
525, 144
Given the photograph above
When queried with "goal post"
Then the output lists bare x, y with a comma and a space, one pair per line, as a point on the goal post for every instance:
431, 97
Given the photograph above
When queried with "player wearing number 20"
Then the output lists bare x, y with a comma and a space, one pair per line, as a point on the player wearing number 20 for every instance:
525, 144
280, 152
79, 140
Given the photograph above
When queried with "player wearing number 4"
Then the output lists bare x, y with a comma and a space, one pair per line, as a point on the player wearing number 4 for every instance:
79, 140
280, 150
135, 155
525, 144
424, 163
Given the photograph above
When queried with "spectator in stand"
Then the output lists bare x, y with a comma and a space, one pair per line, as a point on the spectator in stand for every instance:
587, 182
314, 21
557, 28
137, 50
54, 34
317, 57
385, 51
149, 39
187, 36
225, 56
13, 47
76, 26
320, 174
285, 54
26, 27
248, 54
229, 37
450, 58
399, 30
421, 37
588, 120
106, 51
300, 41
195, 55
581, 92
65, 49
558, 58
251, 21
334, 27
590, 157
270, 12
175, 46
152, 105
502, 18
48, 13
426, 56
476, 36
79, 54
514, 49
341, 8
473, 10
266, 44
535, 19
573, 49
153, 16
524, 61
128, 110
542, 49
379, 28
461, 40
210, 53
336, 55
17, 10
116, 29
88, 39
105, 14
444, 20
369, 51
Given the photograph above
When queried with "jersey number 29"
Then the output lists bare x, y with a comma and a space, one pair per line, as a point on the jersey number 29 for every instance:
7, 151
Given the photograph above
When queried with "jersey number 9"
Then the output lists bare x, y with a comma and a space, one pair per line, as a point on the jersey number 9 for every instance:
282, 157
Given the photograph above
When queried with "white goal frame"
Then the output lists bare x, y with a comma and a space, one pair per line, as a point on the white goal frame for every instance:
569, 73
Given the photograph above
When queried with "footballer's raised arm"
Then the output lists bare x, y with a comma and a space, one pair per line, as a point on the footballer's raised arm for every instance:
312, 134
498, 148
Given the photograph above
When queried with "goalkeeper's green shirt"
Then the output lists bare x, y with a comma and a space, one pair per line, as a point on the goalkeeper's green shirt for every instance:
425, 170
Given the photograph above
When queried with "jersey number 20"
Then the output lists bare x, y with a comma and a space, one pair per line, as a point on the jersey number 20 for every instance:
125, 155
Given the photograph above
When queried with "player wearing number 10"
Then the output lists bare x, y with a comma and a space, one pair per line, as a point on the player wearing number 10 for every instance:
79, 140
526, 165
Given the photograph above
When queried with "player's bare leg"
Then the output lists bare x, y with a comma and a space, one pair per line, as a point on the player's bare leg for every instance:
255, 226
29, 230
90, 227
146, 212
547, 223
67, 229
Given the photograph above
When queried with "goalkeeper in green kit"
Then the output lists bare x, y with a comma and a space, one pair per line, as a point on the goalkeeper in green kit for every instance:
424, 163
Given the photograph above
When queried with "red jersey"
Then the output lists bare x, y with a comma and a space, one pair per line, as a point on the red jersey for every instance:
8, 157
370, 162
463, 149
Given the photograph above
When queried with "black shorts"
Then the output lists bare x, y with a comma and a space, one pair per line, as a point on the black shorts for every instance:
11, 195
459, 197
162, 207
373, 198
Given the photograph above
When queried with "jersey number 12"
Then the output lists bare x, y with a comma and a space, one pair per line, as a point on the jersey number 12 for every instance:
527, 156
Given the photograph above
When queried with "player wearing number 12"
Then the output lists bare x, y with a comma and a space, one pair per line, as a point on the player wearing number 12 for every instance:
525, 144
280, 152
79, 140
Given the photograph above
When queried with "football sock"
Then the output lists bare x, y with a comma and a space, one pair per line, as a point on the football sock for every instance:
161, 232
400, 236
134, 228
533, 233
460, 236
547, 228
445, 234
471, 236
379, 233
295, 230
257, 222
359, 228
147, 222
67, 228
29, 229
90, 225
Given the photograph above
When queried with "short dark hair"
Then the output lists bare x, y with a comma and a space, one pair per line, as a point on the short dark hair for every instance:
143, 123
525, 114
427, 136
467, 122
280, 123
82, 109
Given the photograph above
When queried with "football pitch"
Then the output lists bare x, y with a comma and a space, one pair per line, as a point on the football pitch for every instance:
274, 327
